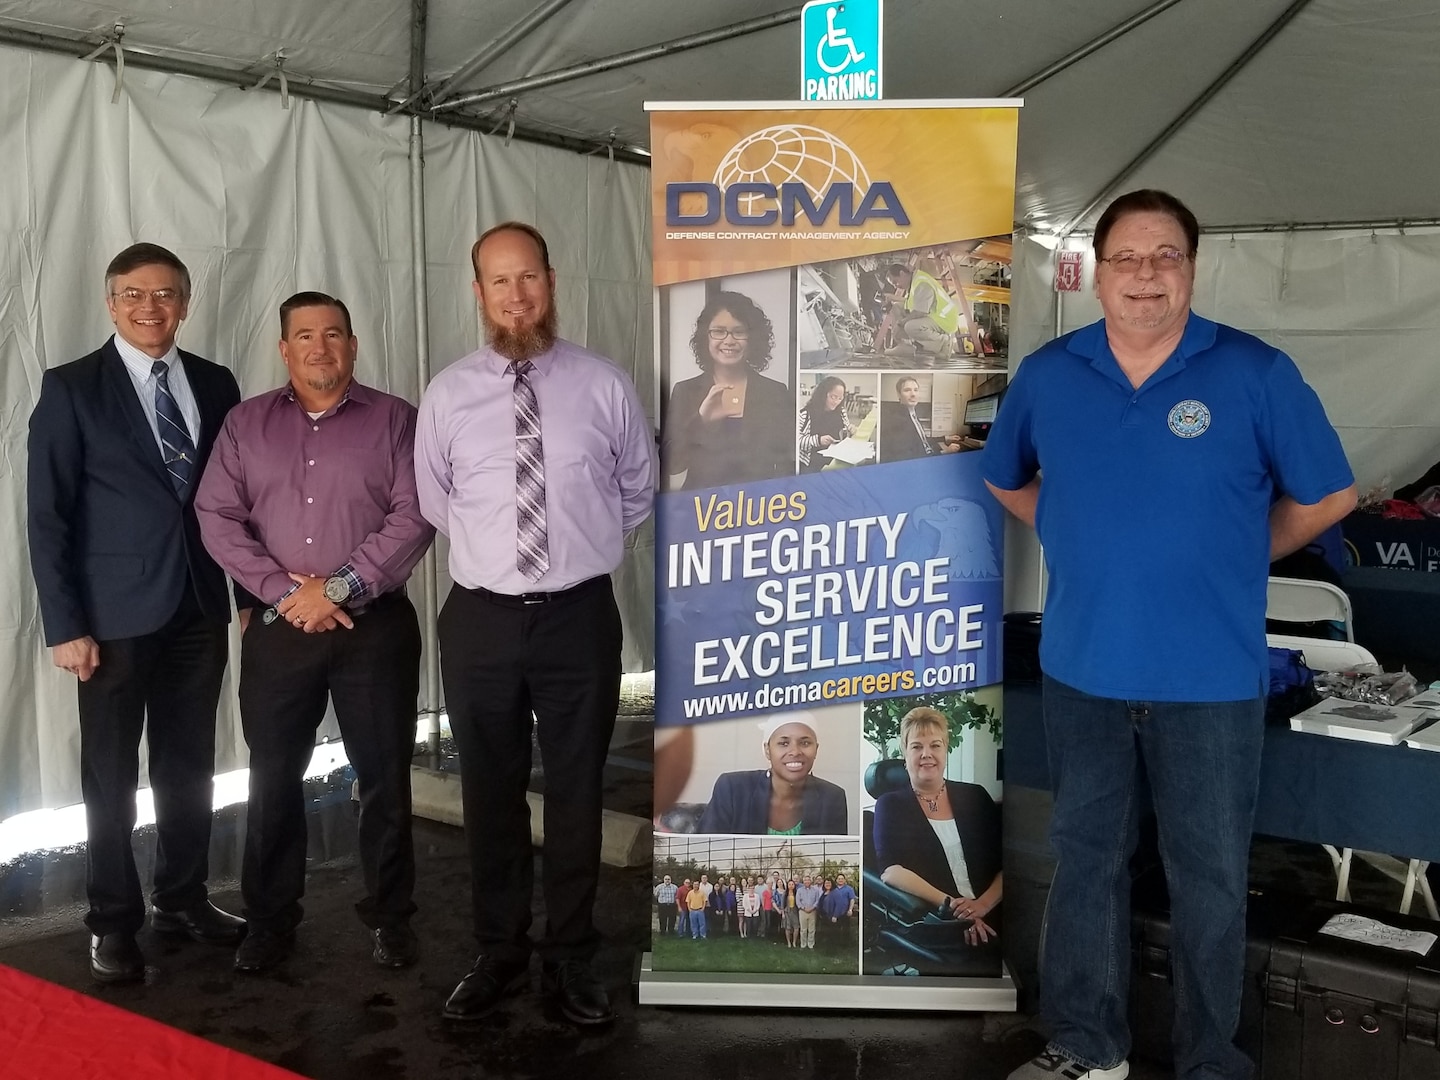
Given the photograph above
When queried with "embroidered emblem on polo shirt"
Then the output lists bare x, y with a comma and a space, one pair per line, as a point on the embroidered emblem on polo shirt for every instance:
1189, 419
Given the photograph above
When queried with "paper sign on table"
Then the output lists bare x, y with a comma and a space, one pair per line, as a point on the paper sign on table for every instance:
1358, 928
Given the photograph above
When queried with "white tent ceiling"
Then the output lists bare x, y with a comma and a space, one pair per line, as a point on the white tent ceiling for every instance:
1333, 120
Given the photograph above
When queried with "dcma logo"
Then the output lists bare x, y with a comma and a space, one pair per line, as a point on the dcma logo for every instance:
784, 204
780, 173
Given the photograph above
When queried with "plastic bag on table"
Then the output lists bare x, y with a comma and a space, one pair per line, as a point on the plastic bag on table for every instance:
1390, 688
1429, 500
1342, 684
1372, 686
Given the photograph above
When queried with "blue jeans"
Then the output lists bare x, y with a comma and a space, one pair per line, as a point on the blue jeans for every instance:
697, 924
1202, 760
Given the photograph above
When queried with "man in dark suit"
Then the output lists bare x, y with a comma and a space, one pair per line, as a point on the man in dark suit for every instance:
902, 434
132, 604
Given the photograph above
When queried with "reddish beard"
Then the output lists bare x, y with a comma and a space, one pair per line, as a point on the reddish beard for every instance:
522, 342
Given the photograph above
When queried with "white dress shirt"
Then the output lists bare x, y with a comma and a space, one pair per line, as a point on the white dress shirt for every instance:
139, 366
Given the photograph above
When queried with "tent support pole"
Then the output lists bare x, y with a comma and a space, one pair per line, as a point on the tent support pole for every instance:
508, 39
1094, 45
419, 284
1059, 311
625, 59
419, 20
1358, 225
429, 574
1190, 110
1400, 224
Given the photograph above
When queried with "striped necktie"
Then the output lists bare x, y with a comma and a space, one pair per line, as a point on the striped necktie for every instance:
532, 551
179, 450
924, 439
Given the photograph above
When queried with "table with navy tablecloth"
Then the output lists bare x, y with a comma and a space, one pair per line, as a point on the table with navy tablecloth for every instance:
1312, 787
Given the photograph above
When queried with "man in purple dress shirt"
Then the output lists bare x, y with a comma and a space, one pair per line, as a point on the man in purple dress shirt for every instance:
309, 502
531, 624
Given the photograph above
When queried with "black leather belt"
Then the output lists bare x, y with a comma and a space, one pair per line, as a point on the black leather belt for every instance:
375, 603
531, 598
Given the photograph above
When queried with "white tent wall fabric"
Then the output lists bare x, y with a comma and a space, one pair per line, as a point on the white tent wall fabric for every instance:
261, 202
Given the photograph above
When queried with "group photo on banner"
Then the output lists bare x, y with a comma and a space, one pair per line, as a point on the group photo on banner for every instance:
832, 321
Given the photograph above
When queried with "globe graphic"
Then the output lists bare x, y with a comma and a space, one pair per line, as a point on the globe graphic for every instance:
789, 153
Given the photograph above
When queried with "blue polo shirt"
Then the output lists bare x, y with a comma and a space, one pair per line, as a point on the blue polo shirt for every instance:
1154, 505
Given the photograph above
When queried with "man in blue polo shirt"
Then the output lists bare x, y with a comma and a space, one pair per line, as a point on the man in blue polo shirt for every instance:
1164, 460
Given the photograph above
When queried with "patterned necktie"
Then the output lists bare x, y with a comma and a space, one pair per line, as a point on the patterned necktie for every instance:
179, 450
532, 551
924, 439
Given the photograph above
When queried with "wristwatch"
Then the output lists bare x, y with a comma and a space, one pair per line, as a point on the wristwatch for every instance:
337, 589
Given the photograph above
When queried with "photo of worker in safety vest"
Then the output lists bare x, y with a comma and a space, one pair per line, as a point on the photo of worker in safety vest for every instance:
929, 317
943, 307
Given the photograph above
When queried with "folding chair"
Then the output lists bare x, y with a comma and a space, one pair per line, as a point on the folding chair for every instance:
1301, 601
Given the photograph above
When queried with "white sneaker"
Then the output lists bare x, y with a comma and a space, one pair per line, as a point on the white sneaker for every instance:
1048, 1066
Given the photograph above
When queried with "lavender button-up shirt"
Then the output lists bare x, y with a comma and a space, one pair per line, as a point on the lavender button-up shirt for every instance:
600, 466
284, 494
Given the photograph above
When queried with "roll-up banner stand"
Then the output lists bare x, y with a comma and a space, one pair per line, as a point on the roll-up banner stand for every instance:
832, 289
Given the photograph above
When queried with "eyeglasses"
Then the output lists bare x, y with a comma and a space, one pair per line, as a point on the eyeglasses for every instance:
720, 333
135, 297
1127, 262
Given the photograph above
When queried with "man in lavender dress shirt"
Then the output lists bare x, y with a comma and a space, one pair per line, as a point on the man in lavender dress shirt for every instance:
309, 502
547, 643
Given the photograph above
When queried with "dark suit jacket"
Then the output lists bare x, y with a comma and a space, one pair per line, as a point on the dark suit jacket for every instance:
899, 441
757, 446
740, 803
904, 837
111, 544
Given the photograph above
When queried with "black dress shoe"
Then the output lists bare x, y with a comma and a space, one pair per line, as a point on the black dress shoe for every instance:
202, 922
575, 989
479, 992
115, 958
262, 950
395, 946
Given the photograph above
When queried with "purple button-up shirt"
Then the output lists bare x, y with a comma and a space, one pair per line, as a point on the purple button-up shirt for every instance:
600, 467
284, 494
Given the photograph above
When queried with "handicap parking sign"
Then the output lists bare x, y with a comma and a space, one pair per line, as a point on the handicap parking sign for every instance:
840, 50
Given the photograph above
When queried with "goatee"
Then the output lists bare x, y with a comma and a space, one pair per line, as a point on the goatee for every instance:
523, 342
323, 383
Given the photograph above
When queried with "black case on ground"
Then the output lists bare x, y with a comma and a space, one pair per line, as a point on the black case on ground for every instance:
1315, 1007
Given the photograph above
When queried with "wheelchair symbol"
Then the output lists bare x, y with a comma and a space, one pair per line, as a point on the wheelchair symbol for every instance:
836, 37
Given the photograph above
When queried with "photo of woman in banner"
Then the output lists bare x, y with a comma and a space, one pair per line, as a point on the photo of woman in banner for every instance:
729, 424
938, 841
783, 799
821, 423
835, 410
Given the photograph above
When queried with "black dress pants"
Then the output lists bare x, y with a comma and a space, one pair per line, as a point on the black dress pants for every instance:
502, 661
372, 673
166, 684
